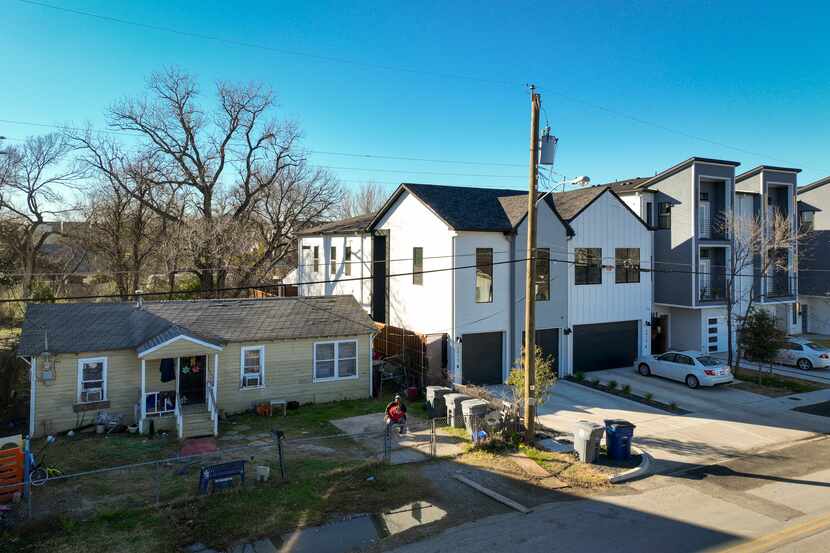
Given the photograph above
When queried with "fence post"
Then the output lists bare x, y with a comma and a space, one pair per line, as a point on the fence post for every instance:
387, 444
27, 471
158, 483
279, 436
433, 440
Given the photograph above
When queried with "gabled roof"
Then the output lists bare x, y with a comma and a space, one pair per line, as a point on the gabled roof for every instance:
90, 327
804, 206
640, 183
755, 170
813, 185
350, 225
468, 208
626, 185
574, 202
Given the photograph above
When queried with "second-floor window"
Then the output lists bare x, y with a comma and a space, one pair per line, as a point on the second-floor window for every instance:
542, 274
315, 264
333, 260
649, 214
627, 264
663, 215
417, 266
807, 222
347, 261
588, 266
484, 275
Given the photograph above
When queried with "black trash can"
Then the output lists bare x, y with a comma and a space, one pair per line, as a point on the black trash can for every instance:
618, 435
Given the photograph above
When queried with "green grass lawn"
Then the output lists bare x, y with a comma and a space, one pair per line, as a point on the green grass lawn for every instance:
315, 419
316, 489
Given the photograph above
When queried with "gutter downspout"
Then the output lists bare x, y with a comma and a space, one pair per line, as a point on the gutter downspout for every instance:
32, 395
453, 337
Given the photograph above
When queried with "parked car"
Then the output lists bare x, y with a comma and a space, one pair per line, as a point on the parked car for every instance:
692, 367
804, 354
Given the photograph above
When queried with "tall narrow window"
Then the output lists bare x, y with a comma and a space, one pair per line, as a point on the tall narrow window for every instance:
316, 261
807, 221
649, 214
627, 262
484, 275
542, 274
333, 260
347, 260
588, 266
417, 266
305, 258
664, 215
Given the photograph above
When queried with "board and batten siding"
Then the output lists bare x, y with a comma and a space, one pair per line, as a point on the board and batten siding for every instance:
357, 284
288, 375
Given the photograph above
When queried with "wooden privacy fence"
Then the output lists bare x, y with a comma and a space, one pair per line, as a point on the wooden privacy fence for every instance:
422, 356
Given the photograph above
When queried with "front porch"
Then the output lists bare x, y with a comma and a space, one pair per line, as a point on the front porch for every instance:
179, 388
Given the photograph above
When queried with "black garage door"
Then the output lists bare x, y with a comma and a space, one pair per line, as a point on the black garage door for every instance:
604, 346
481, 358
548, 340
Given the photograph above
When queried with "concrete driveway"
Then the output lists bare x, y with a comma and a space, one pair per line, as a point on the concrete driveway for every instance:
723, 423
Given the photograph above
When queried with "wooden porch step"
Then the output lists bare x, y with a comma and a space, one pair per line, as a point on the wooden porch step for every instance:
196, 423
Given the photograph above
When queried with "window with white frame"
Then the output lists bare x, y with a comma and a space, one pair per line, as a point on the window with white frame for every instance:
92, 380
333, 360
253, 366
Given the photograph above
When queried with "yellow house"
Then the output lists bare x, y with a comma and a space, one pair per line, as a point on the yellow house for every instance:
179, 364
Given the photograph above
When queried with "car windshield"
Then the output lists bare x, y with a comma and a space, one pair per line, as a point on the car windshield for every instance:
817, 347
709, 361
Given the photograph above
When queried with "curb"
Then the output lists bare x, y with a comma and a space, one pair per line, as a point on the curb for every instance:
636, 472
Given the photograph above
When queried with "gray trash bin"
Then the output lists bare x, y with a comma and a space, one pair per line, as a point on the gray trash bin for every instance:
455, 417
587, 437
474, 411
435, 399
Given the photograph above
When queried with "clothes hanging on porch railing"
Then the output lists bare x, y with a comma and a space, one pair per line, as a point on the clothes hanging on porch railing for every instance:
168, 369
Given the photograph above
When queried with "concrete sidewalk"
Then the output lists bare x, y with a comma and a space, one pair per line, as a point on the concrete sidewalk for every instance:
717, 430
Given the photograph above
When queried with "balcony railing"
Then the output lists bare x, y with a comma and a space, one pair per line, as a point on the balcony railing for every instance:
779, 285
712, 294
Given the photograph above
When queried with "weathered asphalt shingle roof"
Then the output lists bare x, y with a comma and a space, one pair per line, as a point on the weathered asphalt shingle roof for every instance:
572, 202
89, 327
342, 226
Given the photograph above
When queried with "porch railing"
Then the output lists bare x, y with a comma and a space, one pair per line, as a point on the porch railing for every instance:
212, 408
158, 403
179, 421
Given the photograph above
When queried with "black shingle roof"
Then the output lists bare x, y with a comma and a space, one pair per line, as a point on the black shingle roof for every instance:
342, 226
82, 327
472, 209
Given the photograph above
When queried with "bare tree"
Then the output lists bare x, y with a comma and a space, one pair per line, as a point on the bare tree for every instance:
32, 179
365, 199
759, 248
218, 167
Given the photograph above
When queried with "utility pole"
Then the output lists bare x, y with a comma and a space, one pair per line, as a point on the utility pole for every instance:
530, 275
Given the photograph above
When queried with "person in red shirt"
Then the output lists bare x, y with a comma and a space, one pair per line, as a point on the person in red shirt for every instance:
396, 414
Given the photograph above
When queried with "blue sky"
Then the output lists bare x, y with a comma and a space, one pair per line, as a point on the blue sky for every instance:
751, 77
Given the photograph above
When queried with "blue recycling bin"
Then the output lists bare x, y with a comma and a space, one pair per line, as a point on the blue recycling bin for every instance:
618, 435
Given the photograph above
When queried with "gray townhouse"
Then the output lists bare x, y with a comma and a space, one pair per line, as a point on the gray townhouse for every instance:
686, 205
814, 256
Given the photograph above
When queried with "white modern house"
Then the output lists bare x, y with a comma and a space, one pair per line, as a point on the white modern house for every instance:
609, 296
467, 249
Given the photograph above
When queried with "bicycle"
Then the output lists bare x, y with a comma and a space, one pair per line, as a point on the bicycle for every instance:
40, 471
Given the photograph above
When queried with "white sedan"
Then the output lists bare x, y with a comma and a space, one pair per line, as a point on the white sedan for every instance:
804, 354
692, 367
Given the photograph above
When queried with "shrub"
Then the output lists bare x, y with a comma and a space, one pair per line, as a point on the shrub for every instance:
579, 377
595, 381
649, 396
626, 389
612, 384
545, 378
673, 406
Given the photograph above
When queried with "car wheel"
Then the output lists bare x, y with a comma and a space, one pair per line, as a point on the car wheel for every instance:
692, 381
804, 364
644, 369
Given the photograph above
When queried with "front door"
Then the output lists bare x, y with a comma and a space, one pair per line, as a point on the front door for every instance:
192, 379
659, 334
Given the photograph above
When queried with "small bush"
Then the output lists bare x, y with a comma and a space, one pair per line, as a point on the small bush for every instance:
649, 396
579, 377
612, 384
595, 381
673, 406
626, 389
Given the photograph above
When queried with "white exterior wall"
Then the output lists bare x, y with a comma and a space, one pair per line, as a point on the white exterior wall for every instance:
361, 245
422, 308
607, 224
551, 234
818, 314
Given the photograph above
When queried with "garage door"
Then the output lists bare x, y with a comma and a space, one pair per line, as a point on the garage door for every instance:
548, 340
481, 358
604, 346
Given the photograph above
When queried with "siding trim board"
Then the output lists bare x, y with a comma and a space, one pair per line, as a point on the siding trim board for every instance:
166, 343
